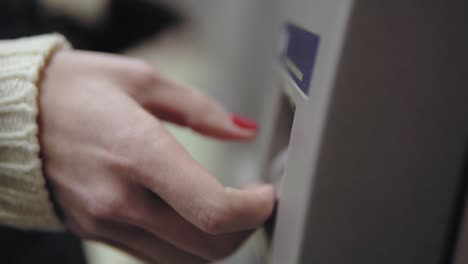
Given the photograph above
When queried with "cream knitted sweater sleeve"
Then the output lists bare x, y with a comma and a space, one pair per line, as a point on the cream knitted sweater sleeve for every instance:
24, 200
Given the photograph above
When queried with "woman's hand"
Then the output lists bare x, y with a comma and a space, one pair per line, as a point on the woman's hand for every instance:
119, 177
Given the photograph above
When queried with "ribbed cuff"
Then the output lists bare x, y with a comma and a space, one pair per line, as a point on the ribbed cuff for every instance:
24, 200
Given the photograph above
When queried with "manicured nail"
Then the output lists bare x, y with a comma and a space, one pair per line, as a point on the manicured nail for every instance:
243, 122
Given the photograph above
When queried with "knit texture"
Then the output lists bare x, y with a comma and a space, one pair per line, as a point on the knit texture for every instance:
24, 200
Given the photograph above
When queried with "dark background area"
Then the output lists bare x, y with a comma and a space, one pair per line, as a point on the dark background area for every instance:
125, 23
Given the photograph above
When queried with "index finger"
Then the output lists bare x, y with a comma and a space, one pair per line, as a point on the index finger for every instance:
180, 104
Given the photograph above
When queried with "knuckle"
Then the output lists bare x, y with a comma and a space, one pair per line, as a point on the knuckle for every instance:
139, 75
202, 105
214, 220
202, 101
147, 76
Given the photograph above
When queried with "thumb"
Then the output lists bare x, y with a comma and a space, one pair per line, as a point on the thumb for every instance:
193, 192
250, 207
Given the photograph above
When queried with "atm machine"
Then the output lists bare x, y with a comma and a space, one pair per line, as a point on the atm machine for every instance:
369, 133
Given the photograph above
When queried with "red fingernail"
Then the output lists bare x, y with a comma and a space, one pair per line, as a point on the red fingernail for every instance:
243, 122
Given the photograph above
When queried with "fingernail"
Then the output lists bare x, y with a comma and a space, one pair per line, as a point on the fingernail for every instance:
243, 122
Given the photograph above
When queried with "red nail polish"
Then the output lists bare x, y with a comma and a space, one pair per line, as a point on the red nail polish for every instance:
243, 122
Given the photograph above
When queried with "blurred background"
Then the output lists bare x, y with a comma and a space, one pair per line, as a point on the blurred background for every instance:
220, 47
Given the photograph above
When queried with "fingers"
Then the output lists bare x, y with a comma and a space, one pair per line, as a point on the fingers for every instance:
195, 194
179, 104
156, 217
143, 244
